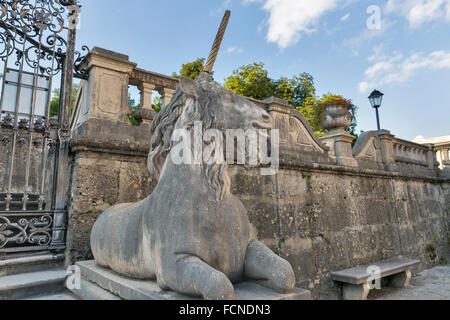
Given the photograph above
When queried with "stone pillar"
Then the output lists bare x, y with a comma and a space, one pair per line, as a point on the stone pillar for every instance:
105, 95
387, 148
166, 96
445, 156
340, 143
146, 114
146, 90
336, 119
432, 161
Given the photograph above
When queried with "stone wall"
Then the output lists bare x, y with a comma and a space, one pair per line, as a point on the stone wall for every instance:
322, 220
109, 166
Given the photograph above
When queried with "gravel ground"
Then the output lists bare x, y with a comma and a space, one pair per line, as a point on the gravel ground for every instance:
432, 284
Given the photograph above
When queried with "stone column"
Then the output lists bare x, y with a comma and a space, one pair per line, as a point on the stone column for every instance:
105, 95
387, 148
445, 156
432, 161
146, 90
340, 143
166, 96
146, 113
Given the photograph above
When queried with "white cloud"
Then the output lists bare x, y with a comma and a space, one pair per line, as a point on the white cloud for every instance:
234, 50
289, 19
344, 18
354, 44
418, 12
398, 69
221, 9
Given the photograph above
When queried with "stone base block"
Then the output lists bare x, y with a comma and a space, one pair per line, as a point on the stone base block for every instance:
99, 283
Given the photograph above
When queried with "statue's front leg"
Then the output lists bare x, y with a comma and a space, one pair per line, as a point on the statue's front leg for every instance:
195, 277
268, 269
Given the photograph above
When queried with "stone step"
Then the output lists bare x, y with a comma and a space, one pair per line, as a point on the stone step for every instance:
91, 291
31, 263
64, 296
32, 284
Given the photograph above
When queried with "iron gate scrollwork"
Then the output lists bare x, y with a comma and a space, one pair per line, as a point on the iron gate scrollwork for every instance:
37, 40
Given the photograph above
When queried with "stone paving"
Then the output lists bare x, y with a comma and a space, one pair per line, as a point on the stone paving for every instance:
432, 284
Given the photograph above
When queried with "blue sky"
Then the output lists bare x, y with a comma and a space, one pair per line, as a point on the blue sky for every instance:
403, 52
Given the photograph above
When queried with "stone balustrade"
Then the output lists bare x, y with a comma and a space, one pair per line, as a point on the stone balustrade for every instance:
382, 150
410, 153
147, 82
105, 94
443, 154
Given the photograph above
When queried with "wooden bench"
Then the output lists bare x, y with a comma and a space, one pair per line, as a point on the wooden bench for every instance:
357, 282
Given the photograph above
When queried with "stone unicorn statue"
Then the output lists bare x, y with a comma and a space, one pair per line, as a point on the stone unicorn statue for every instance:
191, 234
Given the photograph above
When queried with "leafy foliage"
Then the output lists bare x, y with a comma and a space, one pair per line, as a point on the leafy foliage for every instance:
54, 104
134, 108
191, 70
251, 81
156, 105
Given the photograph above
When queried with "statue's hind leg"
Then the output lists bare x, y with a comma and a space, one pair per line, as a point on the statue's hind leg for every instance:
195, 277
268, 269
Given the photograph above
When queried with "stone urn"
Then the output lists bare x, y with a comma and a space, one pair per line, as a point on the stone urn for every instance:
337, 117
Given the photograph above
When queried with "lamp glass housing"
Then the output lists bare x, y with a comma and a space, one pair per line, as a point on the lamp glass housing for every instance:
376, 98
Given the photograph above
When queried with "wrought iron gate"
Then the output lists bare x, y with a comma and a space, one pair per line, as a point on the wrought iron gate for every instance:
37, 40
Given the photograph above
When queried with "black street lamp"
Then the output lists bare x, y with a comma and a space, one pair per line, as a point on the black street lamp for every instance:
376, 98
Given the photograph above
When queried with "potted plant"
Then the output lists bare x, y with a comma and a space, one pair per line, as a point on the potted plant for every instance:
333, 112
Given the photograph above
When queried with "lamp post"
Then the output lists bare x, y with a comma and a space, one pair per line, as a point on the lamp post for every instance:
376, 98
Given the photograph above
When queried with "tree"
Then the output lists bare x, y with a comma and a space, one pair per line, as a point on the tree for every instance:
191, 70
134, 108
156, 105
252, 81
54, 104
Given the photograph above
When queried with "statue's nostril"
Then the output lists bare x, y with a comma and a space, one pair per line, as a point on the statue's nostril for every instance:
266, 117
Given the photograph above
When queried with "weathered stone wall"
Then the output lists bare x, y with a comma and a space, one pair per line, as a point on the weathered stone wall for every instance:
105, 171
323, 221
320, 219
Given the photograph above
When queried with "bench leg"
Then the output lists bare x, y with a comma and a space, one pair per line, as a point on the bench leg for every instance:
400, 280
355, 292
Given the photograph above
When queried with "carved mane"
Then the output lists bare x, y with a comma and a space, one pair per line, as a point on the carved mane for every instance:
184, 110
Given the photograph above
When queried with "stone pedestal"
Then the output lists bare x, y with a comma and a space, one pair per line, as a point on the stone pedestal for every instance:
105, 95
340, 143
99, 283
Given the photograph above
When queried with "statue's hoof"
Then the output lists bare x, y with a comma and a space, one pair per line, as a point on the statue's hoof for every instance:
219, 287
